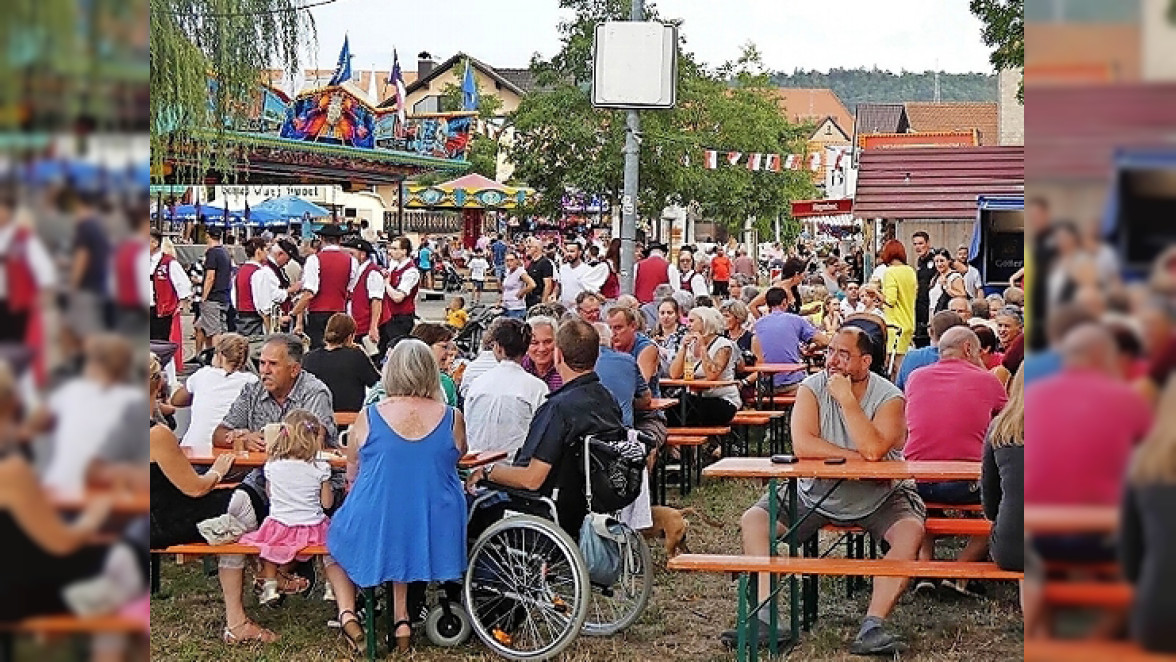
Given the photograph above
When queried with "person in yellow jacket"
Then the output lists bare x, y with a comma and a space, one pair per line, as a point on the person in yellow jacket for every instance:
899, 288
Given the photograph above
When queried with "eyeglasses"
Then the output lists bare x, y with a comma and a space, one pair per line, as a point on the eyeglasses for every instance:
842, 354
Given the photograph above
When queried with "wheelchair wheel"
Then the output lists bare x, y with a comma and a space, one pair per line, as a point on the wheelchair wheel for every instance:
526, 588
613, 609
448, 630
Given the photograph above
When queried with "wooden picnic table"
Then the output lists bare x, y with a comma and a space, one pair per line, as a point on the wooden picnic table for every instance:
345, 418
126, 502
774, 368
1071, 519
696, 385
765, 374
660, 404
762, 467
258, 459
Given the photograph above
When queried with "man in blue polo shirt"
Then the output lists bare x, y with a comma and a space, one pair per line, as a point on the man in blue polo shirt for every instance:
924, 356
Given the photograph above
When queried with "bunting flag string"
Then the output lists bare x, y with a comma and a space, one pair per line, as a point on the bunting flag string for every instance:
759, 161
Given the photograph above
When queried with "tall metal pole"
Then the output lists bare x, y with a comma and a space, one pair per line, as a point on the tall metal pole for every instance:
629, 196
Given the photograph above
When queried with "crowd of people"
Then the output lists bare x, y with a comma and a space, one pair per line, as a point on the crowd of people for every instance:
570, 355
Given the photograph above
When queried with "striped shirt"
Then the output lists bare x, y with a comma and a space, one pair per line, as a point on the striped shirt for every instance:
255, 408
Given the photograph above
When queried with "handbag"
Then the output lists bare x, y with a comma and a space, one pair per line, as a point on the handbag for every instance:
601, 538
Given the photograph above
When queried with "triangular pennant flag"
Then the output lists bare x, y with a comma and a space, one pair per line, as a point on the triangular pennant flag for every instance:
773, 163
686, 159
710, 159
754, 161
733, 157
815, 164
790, 162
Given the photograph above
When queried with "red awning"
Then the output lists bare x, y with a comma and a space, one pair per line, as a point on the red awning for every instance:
935, 183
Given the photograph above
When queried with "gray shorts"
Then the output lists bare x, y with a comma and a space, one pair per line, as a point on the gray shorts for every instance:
83, 313
903, 503
212, 318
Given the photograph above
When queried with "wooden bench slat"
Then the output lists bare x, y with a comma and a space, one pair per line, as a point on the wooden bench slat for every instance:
1117, 595
678, 440
201, 549
70, 624
708, 431
784, 565
750, 420
940, 526
771, 413
1086, 650
964, 508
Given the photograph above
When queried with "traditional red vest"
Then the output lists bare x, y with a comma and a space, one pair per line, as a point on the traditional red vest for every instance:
167, 300
651, 272
334, 277
245, 303
611, 288
126, 285
684, 279
361, 304
408, 306
22, 286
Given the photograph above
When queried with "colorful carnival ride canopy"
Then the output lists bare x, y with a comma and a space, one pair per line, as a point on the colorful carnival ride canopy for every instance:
472, 191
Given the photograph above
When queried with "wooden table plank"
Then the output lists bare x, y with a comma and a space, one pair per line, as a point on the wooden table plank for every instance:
762, 467
698, 384
660, 404
258, 459
1071, 519
774, 368
125, 503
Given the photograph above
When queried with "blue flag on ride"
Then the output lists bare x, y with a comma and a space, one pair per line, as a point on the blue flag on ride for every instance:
343, 69
469, 90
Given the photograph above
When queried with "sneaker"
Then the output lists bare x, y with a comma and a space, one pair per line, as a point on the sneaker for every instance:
925, 586
329, 594
968, 589
730, 638
876, 641
269, 593
221, 530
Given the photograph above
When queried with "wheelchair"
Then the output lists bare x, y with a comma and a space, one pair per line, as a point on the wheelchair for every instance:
526, 592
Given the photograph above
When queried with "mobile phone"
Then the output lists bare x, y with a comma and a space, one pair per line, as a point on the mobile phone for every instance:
784, 459
834, 460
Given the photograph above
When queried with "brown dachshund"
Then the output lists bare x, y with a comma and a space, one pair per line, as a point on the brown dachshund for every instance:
671, 523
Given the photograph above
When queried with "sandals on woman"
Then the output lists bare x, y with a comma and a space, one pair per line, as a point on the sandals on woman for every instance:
403, 641
353, 632
287, 584
247, 633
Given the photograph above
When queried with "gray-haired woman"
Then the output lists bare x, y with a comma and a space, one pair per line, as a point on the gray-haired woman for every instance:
405, 517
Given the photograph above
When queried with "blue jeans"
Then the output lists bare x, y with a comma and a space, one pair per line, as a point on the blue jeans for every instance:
520, 314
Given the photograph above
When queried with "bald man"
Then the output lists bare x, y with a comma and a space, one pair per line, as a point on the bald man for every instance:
1084, 423
950, 405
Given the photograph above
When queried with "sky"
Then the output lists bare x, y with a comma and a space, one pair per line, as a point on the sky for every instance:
893, 35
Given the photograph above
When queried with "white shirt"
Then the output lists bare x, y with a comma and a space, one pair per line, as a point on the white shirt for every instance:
848, 308
44, 273
310, 272
374, 284
408, 279
571, 282
175, 273
213, 392
879, 271
972, 281
478, 268
266, 288
500, 406
476, 368
697, 282
85, 413
295, 491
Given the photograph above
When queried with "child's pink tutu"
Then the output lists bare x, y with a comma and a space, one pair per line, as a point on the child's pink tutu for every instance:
281, 544
139, 610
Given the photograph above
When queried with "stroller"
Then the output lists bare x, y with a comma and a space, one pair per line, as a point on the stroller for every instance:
451, 278
469, 339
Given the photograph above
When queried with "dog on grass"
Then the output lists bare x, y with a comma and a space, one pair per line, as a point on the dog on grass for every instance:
671, 524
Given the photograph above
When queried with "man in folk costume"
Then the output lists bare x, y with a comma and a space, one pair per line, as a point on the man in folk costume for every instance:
280, 254
27, 274
370, 306
170, 290
327, 281
650, 272
403, 281
258, 291
131, 282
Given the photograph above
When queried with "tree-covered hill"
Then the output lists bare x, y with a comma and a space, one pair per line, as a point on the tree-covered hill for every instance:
854, 86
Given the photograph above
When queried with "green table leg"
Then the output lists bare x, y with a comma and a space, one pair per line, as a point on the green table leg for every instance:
741, 623
753, 622
793, 580
773, 606
369, 595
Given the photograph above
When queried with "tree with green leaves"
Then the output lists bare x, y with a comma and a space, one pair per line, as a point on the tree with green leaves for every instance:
1004, 32
564, 144
207, 62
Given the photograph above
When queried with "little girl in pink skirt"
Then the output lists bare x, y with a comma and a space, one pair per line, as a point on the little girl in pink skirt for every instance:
298, 491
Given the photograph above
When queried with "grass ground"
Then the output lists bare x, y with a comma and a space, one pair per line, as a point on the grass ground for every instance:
682, 623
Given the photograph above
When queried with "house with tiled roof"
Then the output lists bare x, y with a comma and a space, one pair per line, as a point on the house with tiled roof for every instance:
882, 118
932, 117
425, 92
817, 106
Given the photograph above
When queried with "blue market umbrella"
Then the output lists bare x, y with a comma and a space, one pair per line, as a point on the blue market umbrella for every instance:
290, 206
260, 217
191, 213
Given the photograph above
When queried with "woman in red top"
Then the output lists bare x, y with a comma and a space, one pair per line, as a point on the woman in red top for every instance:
611, 289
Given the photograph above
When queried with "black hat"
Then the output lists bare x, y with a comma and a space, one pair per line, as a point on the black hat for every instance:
657, 246
214, 232
289, 248
360, 244
331, 230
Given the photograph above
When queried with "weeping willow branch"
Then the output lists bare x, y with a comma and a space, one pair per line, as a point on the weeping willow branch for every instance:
207, 60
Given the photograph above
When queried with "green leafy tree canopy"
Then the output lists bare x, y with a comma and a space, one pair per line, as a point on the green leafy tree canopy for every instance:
1004, 32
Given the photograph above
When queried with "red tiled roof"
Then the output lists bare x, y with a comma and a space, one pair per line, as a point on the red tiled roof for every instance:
1076, 130
813, 104
943, 183
929, 117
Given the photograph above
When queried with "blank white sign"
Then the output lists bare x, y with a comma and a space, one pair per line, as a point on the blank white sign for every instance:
635, 65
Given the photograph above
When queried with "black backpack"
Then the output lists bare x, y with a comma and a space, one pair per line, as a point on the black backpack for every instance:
615, 471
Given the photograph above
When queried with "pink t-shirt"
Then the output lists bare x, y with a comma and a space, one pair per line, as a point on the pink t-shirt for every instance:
949, 406
1080, 429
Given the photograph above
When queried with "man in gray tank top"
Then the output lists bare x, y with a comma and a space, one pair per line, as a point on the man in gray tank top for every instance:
848, 411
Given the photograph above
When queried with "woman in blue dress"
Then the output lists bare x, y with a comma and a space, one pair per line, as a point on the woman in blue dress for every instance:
405, 517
